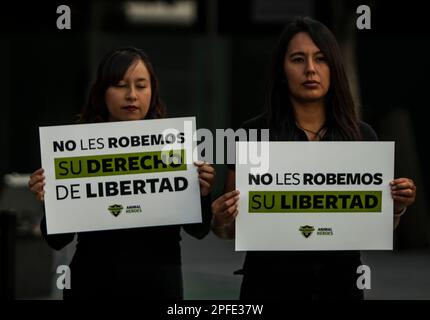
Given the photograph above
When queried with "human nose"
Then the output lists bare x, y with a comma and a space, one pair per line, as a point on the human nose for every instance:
310, 67
131, 93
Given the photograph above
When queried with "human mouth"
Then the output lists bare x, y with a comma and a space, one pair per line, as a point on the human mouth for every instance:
130, 108
311, 84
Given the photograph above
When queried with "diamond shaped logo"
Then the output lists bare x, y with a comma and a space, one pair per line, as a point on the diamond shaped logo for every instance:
306, 230
115, 209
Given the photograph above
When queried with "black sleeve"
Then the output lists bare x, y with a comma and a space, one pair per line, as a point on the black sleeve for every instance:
200, 230
367, 132
55, 241
231, 166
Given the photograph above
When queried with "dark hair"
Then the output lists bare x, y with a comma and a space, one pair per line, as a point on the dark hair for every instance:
110, 71
342, 119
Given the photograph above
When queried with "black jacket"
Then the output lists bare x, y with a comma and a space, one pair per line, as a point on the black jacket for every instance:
301, 274
137, 262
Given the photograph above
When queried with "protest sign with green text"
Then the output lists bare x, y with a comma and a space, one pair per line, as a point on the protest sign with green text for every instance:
120, 175
315, 196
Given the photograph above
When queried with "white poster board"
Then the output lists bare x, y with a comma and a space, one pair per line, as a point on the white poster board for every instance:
315, 196
119, 175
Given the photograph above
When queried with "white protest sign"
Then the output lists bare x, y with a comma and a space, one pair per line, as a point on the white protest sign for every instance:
119, 175
316, 196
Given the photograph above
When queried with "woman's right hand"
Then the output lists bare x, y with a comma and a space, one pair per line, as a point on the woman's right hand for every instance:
37, 184
224, 212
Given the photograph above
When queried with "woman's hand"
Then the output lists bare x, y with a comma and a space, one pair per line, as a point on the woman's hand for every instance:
206, 177
403, 191
37, 184
225, 209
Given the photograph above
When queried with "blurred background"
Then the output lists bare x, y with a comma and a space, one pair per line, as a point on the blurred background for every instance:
212, 59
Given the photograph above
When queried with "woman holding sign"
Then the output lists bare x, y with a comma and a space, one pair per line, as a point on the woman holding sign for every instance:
308, 99
139, 262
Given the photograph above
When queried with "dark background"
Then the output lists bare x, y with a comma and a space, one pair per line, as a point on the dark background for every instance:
215, 68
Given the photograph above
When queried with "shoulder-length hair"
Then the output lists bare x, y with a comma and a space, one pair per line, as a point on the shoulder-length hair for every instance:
342, 119
110, 71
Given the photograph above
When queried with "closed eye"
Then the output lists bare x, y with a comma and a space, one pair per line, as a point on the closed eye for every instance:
297, 59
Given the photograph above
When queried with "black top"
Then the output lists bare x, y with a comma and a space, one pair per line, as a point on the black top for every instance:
255, 261
260, 122
129, 262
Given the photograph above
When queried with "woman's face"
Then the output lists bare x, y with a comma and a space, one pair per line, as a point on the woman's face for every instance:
306, 70
130, 98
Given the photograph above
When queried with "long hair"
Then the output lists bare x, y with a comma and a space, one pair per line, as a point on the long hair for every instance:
342, 119
110, 71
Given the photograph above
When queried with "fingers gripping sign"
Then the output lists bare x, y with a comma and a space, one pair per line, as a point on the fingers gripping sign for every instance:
225, 208
207, 177
403, 191
37, 184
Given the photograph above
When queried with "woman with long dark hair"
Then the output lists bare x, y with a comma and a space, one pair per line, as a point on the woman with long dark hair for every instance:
143, 263
308, 99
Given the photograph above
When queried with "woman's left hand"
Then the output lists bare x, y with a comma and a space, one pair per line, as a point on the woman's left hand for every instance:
403, 191
206, 177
